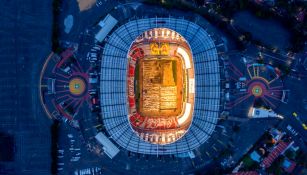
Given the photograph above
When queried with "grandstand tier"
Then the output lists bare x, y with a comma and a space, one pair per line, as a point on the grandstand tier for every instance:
116, 103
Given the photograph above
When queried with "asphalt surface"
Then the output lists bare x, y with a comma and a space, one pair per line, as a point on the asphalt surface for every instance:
25, 35
297, 95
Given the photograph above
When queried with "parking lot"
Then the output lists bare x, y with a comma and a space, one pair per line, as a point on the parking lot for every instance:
25, 42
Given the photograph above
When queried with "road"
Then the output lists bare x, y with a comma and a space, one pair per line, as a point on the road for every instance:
25, 39
297, 95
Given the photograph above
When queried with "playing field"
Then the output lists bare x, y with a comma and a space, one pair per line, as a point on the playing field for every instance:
161, 86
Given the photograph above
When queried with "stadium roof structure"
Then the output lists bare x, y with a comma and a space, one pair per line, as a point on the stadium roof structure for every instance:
113, 85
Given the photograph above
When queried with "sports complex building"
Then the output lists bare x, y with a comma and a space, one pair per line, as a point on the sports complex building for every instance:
159, 85
158, 90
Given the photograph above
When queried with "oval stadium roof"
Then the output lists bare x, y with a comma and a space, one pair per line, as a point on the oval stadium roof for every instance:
113, 85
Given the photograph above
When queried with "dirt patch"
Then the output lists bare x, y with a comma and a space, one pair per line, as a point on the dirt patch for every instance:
85, 4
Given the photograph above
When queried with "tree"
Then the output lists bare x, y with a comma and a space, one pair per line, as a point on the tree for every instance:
236, 128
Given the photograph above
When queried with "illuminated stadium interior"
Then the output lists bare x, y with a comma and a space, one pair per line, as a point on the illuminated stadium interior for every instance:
162, 133
160, 85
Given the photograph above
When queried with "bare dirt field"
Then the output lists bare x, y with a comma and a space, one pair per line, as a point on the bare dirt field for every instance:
85, 4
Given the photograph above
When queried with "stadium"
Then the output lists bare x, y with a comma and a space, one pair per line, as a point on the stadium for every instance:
159, 85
